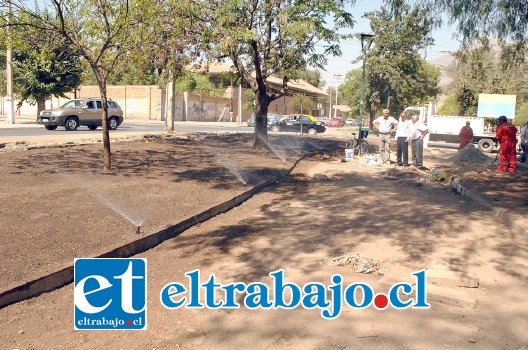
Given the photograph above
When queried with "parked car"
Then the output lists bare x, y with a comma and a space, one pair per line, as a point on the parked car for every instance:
87, 111
271, 119
323, 120
335, 122
351, 122
298, 123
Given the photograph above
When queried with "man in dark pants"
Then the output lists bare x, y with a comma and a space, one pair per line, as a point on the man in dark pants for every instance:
402, 147
524, 142
417, 134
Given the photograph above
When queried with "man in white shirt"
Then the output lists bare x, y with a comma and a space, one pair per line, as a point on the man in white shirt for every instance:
402, 134
416, 136
524, 142
386, 125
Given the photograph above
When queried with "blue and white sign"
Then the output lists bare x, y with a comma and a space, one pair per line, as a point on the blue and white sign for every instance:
495, 105
110, 294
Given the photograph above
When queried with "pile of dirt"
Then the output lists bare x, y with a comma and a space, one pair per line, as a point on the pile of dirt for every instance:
470, 154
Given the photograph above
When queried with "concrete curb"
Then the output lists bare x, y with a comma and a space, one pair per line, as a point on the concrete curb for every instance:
500, 213
65, 276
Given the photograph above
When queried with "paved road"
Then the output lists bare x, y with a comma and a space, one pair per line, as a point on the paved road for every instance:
152, 127
27, 130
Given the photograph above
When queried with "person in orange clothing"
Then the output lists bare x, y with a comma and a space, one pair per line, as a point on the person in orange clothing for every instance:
506, 136
465, 135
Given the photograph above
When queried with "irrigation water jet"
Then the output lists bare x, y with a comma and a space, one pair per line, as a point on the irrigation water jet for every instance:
275, 151
106, 200
229, 165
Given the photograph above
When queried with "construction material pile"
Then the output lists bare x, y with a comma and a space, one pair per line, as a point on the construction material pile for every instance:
470, 154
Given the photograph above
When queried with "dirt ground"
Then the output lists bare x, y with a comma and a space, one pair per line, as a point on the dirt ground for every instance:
57, 205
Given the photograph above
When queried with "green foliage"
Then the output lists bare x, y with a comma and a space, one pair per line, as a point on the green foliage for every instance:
250, 104
301, 104
351, 90
521, 113
449, 107
395, 70
162, 43
486, 69
312, 77
43, 64
506, 20
272, 37
43, 72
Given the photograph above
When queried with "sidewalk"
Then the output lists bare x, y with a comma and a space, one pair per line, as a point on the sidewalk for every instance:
20, 123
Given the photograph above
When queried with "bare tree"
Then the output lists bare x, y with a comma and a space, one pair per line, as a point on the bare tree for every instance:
97, 29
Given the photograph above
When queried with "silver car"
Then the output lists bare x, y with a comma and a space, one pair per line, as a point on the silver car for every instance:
87, 111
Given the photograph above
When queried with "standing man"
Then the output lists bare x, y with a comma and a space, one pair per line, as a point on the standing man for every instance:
465, 135
416, 136
402, 134
506, 136
524, 142
386, 125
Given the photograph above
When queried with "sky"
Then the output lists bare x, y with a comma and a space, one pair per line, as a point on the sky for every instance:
352, 48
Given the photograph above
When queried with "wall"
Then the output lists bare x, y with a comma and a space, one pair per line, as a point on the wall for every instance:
153, 103
137, 102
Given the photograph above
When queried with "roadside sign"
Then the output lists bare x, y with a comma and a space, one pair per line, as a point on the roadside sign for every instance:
495, 105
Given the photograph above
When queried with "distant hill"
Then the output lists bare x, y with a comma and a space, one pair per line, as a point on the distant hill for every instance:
442, 62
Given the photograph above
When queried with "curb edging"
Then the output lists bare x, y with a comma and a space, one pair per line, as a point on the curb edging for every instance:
58, 279
500, 213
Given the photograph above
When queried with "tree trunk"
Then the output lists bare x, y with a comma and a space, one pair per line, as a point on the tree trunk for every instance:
41, 105
261, 119
107, 159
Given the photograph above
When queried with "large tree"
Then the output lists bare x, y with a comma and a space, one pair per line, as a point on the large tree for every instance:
506, 20
97, 29
272, 37
397, 75
484, 68
44, 66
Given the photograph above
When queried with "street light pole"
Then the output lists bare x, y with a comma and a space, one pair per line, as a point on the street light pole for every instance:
364, 47
9, 74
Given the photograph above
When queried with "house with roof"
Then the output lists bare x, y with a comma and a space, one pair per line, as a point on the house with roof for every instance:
239, 98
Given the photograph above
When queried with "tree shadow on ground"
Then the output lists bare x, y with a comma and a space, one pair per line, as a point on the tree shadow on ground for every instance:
306, 216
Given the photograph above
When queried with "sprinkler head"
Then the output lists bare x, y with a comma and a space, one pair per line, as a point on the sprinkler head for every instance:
138, 230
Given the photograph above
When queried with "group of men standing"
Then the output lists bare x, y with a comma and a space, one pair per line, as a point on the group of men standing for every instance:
413, 132
407, 132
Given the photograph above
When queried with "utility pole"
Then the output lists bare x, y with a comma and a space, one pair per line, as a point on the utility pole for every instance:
9, 73
335, 109
330, 106
337, 77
